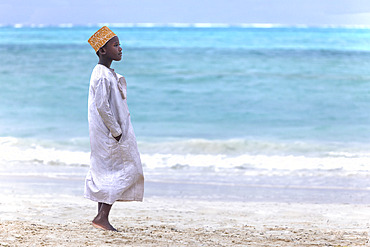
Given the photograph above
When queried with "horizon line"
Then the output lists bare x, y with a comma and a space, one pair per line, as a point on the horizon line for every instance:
185, 25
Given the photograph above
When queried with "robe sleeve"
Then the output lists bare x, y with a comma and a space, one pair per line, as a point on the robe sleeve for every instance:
102, 104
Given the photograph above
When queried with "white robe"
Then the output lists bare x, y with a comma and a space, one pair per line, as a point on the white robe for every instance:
115, 172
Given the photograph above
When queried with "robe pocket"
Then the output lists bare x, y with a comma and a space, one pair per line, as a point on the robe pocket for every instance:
119, 153
113, 141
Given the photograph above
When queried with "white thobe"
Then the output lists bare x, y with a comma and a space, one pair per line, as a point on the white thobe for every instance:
115, 172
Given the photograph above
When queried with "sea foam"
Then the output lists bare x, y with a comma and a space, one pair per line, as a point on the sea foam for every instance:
251, 157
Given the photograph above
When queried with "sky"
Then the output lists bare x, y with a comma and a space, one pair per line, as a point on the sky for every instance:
285, 12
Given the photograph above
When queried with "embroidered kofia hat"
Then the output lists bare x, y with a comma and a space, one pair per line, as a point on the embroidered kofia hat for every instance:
101, 37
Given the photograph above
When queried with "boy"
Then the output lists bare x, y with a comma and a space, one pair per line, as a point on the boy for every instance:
115, 172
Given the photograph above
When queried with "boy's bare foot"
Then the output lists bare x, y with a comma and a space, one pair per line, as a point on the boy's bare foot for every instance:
101, 220
104, 225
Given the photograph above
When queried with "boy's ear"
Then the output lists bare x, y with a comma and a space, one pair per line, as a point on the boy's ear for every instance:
102, 51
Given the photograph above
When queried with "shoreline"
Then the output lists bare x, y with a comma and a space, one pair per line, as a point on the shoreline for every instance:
189, 187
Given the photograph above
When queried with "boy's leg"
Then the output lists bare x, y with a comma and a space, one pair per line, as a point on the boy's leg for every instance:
99, 206
101, 220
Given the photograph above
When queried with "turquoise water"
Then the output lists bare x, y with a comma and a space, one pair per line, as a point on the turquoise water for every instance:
213, 83
250, 100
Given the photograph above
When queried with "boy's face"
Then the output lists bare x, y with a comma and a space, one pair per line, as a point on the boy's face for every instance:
113, 49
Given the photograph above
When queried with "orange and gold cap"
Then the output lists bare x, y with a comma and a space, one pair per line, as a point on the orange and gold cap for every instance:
100, 38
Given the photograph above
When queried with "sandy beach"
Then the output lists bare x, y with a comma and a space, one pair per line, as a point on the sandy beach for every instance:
42, 220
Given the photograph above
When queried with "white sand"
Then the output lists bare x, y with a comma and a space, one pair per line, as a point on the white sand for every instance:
43, 221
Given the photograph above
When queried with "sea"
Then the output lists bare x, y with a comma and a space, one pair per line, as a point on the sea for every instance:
221, 112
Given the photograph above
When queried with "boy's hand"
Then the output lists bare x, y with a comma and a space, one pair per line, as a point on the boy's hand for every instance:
118, 137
